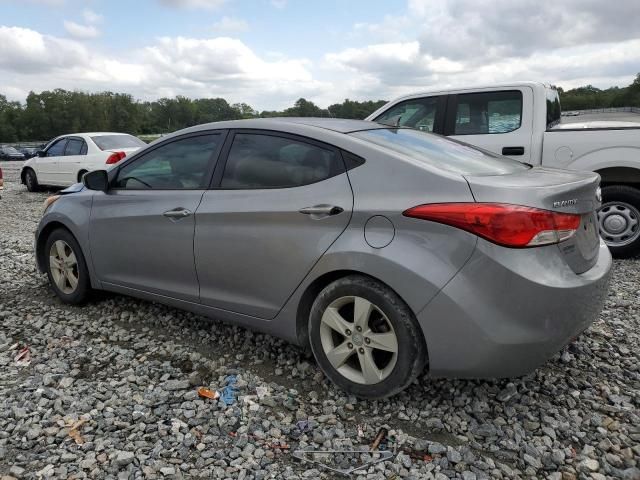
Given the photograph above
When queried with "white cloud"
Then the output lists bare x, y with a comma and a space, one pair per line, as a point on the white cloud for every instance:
172, 66
204, 4
279, 3
91, 17
81, 31
442, 43
230, 25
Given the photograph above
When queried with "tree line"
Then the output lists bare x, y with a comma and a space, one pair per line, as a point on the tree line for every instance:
584, 98
51, 113
48, 114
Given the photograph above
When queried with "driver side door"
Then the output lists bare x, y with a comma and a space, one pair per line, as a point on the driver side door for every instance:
47, 166
141, 229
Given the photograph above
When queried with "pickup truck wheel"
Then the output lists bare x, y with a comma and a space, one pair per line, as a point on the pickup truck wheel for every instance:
619, 219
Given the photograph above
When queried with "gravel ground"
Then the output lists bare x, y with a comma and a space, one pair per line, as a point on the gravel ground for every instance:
110, 392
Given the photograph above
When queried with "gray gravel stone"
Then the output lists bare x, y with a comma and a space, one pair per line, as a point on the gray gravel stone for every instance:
131, 370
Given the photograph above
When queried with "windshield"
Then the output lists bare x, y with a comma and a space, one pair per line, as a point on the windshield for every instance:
10, 150
114, 142
440, 152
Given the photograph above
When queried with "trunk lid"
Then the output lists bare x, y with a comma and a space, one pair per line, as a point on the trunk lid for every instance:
556, 190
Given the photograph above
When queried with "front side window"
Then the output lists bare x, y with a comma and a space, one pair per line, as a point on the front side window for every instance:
74, 146
488, 112
179, 165
266, 161
57, 149
417, 113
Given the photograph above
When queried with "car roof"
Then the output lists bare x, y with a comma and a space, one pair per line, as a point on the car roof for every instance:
81, 134
340, 125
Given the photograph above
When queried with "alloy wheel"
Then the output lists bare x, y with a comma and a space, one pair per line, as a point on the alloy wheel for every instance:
619, 223
63, 265
358, 340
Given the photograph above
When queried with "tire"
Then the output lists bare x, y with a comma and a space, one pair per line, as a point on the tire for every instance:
80, 175
389, 316
619, 219
63, 245
31, 180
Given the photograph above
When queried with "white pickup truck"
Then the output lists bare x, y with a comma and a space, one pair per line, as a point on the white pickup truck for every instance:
522, 121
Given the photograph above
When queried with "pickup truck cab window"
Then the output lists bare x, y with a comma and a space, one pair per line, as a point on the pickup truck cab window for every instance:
488, 112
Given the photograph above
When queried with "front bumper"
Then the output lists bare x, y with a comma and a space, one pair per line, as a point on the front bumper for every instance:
508, 311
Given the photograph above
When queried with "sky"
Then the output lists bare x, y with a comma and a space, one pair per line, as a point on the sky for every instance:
269, 53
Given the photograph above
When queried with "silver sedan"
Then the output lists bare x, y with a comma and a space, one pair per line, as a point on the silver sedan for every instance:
384, 250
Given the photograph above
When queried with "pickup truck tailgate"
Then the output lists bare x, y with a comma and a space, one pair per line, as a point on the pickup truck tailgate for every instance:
555, 190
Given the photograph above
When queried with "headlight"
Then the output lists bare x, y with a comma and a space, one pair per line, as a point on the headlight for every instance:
50, 201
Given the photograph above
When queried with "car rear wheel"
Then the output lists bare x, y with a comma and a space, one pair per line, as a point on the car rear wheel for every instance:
31, 180
365, 338
66, 267
619, 220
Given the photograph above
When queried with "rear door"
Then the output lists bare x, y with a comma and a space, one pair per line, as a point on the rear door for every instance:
47, 166
277, 204
142, 228
70, 163
500, 121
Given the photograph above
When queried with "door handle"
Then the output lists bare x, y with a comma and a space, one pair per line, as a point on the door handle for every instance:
177, 213
513, 150
322, 210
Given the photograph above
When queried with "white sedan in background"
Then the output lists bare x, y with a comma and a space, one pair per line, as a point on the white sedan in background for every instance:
67, 158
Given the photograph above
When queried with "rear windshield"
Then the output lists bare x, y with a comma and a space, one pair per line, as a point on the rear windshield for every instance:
441, 153
112, 142
10, 150
553, 108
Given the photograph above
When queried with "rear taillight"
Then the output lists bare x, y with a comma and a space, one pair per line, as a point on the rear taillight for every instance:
115, 157
508, 225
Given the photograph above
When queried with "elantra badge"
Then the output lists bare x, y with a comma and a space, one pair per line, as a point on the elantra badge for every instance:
565, 203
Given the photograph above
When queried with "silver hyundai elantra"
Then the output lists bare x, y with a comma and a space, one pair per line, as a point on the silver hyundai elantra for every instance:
385, 250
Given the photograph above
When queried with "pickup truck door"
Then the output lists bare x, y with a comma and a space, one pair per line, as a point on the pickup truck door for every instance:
500, 121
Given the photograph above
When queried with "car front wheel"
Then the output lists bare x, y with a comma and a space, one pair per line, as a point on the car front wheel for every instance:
66, 267
365, 338
31, 180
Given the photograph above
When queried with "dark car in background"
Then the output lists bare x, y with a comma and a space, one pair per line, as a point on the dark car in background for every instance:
29, 152
10, 153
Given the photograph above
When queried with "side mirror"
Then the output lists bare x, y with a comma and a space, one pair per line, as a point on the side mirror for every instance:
41, 153
96, 180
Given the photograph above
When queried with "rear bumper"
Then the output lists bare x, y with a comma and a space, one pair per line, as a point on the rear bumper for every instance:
507, 311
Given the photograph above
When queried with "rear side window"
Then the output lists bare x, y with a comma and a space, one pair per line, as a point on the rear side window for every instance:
553, 108
440, 152
113, 142
57, 149
74, 147
267, 161
419, 113
179, 165
488, 112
